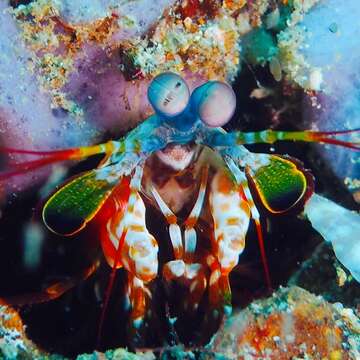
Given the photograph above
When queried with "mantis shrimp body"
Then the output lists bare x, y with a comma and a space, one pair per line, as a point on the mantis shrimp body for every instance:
201, 162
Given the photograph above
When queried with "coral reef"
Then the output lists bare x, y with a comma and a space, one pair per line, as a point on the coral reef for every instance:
71, 50
292, 324
14, 344
13, 341
73, 73
324, 55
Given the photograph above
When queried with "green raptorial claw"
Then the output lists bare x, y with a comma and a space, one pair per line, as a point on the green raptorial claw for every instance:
71, 207
281, 184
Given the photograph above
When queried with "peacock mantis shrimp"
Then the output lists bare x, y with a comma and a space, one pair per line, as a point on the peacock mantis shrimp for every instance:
201, 161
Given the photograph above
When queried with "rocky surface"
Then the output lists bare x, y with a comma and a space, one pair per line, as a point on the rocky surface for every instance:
291, 324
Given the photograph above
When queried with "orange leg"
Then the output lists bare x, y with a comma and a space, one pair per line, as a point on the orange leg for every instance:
246, 194
139, 258
219, 289
231, 216
127, 243
137, 295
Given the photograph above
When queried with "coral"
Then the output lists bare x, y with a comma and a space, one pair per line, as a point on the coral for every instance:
288, 326
319, 51
209, 47
259, 47
26, 118
294, 63
13, 341
14, 344
72, 46
337, 54
84, 68
16, 100
284, 326
202, 38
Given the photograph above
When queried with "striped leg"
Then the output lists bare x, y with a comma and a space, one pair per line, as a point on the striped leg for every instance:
183, 268
136, 295
195, 272
141, 140
139, 256
136, 249
231, 217
190, 236
174, 228
219, 288
220, 139
245, 193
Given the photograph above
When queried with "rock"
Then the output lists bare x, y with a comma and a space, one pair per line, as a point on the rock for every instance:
292, 324
13, 341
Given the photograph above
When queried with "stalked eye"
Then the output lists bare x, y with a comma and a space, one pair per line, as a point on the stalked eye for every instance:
214, 102
168, 94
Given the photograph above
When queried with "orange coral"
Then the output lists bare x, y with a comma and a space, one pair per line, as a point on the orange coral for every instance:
292, 323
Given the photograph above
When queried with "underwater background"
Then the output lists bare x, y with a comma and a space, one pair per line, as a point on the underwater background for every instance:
77, 73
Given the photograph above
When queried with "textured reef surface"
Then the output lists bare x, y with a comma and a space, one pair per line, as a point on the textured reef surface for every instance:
291, 324
81, 64
75, 73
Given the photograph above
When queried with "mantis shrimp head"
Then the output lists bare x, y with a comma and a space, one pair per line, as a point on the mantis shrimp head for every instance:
213, 103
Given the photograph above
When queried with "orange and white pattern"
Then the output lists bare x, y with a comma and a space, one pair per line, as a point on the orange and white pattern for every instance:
231, 216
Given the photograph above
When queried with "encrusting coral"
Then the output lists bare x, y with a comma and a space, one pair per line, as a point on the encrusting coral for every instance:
291, 324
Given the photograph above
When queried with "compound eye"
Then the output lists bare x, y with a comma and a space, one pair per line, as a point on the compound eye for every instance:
214, 102
168, 94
